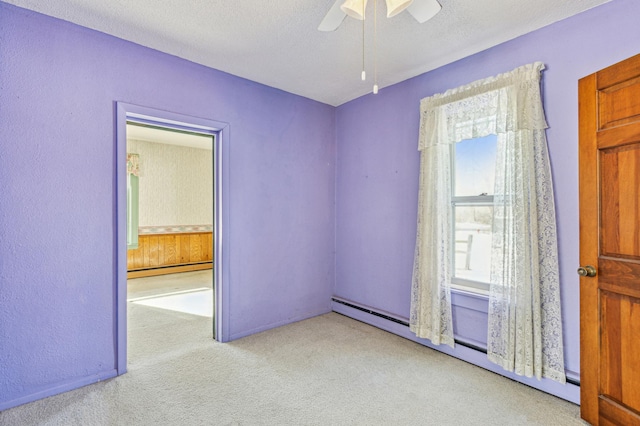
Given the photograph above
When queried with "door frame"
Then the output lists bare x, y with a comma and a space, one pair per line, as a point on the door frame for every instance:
220, 152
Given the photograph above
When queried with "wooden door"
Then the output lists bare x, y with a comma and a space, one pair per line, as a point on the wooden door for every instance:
610, 242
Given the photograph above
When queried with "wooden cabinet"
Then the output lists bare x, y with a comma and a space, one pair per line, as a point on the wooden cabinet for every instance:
159, 254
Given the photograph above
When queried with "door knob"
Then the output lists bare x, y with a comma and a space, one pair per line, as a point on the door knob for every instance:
587, 271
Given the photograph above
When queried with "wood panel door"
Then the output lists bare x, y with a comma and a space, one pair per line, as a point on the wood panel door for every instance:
610, 242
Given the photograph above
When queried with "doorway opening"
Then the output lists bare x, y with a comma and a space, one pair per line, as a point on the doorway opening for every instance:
163, 242
169, 226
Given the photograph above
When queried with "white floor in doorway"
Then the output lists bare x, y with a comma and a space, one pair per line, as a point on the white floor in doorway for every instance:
187, 292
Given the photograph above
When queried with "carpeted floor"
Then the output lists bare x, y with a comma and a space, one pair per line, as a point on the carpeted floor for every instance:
328, 370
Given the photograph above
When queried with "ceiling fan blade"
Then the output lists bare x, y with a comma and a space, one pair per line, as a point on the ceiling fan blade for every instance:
334, 17
423, 10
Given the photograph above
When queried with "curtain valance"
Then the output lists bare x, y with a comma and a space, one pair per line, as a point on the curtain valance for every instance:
133, 164
507, 102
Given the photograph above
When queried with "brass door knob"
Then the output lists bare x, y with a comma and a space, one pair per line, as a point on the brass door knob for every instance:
587, 271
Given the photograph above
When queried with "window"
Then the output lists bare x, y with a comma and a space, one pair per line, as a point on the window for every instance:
456, 197
473, 182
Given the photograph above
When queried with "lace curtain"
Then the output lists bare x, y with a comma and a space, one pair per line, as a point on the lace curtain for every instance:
525, 325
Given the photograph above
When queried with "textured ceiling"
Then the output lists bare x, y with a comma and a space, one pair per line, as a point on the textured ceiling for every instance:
276, 42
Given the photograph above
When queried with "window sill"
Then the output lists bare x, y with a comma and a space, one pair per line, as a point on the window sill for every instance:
469, 291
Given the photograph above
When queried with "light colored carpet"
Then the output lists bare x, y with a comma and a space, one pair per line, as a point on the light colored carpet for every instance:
328, 370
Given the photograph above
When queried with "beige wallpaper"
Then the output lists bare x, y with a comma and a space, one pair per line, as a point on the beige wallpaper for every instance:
176, 184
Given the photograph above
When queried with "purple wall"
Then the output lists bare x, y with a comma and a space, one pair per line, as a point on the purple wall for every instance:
58, 87
378, 163
59, 83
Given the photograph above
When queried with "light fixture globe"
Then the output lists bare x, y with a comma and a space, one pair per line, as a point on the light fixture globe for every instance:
396, 6
354, 8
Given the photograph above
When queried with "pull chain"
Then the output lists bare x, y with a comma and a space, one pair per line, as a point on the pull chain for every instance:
375, 48
364, 74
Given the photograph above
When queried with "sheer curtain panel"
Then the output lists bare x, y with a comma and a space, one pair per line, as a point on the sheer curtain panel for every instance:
525, 324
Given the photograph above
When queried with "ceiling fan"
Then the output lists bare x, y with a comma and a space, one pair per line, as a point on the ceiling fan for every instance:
421, 10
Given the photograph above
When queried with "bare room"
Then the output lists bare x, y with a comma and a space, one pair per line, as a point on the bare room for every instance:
319, 212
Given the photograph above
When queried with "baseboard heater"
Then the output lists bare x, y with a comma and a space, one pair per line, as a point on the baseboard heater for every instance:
406, 324
401, 322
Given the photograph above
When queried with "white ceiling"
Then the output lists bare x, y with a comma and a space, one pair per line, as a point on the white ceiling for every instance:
276, 42
169, 137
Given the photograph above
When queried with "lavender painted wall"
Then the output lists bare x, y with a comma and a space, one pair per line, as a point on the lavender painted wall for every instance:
378, 162
58, 86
